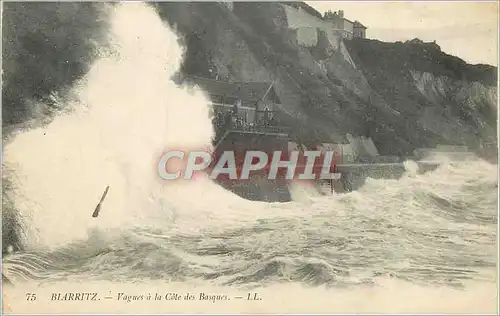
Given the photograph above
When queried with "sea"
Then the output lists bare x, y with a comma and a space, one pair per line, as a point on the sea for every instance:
422, 243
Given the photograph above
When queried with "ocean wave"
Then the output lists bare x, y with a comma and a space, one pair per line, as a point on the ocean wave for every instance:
400, 229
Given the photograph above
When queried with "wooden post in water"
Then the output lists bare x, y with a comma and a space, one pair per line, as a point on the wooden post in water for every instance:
98, 207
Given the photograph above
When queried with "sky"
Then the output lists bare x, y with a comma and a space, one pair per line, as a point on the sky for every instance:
468, 30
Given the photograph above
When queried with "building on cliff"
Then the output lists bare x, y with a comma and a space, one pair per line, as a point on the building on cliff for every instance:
359, 30
249, 106
345, 27
309, 26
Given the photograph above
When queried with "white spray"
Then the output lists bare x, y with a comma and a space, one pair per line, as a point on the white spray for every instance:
126, 112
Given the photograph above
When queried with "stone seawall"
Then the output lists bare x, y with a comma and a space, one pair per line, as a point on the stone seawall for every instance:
257, 188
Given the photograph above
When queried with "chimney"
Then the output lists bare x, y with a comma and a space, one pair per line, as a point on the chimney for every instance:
341, 13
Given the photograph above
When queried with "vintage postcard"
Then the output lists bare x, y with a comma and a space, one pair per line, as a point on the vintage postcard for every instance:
249, 157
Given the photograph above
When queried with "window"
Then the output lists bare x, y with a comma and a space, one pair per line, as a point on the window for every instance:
216, 98
230, 100
248, 103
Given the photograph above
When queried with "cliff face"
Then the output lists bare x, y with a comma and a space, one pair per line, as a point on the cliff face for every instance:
441, 93
403, 95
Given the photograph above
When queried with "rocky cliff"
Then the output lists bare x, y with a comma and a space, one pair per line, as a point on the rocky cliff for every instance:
403, 95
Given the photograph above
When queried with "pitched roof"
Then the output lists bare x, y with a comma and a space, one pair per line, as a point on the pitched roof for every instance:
247, 91
358, 24
304, 6
348, 20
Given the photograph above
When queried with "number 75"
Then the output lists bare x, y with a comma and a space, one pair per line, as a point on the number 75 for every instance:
30, 296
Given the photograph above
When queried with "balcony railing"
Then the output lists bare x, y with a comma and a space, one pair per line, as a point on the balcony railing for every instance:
259, 128
249, 128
